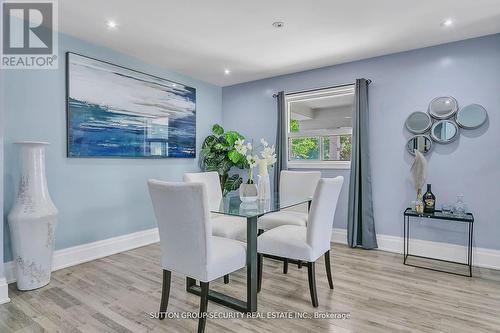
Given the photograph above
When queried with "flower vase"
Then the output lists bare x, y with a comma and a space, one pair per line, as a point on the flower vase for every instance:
248, 192
32, 220
264, 184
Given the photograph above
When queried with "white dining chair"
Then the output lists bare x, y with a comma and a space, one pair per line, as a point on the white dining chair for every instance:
293, 185
222, 225
306, 243
186, 241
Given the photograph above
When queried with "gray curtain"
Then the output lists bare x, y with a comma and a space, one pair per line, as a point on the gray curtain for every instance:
360, 223
281, 157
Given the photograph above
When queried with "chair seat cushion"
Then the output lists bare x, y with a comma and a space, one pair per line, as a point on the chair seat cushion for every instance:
227, 255
287, 241
284, 217
233, 227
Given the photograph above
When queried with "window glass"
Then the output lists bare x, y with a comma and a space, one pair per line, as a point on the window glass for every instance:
337, 148
306, 148
320, 125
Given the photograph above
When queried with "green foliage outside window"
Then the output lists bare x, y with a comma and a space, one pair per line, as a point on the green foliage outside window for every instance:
308, 148
305, 148
346, 143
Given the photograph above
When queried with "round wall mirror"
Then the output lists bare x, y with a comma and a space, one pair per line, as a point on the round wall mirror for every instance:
444, 131
418, 122
471, 116
443, 107
422, 143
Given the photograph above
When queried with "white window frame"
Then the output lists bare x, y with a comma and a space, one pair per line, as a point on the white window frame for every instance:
316, 94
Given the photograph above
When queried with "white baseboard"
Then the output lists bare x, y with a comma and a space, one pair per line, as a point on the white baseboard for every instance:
4, 287
481, 257
75, 255
87, 252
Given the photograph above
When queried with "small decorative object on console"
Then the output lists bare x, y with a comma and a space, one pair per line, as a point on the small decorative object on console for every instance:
459, 208
446, 209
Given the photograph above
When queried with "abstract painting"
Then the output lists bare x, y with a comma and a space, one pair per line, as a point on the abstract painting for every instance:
113, 111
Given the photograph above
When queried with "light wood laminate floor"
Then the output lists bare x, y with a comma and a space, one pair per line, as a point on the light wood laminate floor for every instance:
117, 293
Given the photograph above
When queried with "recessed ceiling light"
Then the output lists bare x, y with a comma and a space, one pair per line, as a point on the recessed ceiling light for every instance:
347, 117
111, 24
447, 23
227, 71
278, 24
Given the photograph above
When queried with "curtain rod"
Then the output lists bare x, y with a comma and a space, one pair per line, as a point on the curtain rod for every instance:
329, 87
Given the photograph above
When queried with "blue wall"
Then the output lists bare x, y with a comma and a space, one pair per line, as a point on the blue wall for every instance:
402, 83
96, 198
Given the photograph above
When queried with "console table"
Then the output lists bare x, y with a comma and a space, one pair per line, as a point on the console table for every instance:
468, 218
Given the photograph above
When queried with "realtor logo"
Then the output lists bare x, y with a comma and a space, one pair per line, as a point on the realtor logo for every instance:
29, 35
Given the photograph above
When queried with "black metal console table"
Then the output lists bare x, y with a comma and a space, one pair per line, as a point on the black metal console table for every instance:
468, 218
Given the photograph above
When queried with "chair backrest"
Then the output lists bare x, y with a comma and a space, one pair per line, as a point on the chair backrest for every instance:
298, 184
211, 181
182, 214
320, 223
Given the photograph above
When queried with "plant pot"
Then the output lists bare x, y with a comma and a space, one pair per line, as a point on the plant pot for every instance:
32, 220
248, 192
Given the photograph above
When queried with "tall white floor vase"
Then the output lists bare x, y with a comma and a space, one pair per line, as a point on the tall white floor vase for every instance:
32, 220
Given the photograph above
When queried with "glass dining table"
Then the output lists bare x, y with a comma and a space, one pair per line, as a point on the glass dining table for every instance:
232, 205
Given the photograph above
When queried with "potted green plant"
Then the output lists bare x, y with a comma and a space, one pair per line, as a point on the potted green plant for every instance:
219, 154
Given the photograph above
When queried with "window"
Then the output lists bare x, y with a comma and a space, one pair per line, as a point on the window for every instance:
320, 128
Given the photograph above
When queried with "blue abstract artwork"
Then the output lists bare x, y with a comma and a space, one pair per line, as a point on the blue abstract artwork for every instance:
114, 111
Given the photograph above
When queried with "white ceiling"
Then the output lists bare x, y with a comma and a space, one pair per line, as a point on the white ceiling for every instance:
329, 112
202, 38
329, 102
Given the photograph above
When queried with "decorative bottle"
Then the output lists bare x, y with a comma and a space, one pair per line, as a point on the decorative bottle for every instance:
429, 200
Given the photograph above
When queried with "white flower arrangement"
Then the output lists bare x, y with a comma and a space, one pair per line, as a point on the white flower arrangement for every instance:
267, 154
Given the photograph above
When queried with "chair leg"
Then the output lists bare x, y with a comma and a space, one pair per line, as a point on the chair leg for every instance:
260, 260
165, 293
203, 307
285, 266
328, 269
226, 279
312, 284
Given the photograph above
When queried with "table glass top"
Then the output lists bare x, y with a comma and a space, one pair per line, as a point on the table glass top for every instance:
232, 205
